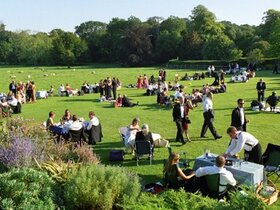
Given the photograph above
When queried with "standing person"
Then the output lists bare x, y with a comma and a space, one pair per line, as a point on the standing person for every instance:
238, 118
13, 87
108, 88
114, 88
261, 88
97, 134
243, 140
179, 116
208, 114
188, 106
33, 95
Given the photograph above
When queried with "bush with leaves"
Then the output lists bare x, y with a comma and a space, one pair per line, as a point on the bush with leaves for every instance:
100, 187
180, 200
18, 153
26, 189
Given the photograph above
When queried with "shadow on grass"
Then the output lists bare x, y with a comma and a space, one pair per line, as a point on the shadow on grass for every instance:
79, 100
155, 107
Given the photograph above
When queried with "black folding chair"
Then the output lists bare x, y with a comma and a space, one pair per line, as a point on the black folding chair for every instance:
143, 148
271, 160
210, 186
77, 136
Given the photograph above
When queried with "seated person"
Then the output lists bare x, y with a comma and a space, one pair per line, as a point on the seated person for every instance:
50, 91
66, 117
226, 177
50, 120
14, 104
145, 135
93, 129
61, 90
127, 103
85, 87
174, 176
131, 134
272, 100
76, 125
119, 100
5, 108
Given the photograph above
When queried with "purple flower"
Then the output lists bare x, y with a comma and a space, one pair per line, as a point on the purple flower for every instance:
18, 153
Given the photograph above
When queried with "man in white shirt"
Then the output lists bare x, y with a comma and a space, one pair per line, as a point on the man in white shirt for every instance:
76, 125
94, 121
208, 115
226, 177
243, 140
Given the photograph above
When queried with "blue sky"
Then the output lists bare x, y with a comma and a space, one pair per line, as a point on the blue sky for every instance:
45, 15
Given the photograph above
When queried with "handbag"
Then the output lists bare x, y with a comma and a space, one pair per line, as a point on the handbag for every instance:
116, 155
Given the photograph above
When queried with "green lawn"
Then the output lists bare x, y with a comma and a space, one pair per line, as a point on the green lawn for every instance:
265, 126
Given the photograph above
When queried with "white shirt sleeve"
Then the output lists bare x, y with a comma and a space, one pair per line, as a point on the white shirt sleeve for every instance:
93, 122
239, 144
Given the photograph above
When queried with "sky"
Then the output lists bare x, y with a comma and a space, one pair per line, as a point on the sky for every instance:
45, 15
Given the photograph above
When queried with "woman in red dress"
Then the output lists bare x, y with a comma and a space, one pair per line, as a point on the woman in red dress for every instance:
188, 106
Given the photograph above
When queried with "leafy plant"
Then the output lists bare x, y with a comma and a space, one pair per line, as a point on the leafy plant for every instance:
18, 153
100, 187
26, 189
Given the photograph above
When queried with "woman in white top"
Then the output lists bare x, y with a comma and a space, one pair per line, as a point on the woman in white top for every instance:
131, 134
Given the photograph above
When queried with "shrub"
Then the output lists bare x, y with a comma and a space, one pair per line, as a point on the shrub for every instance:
181, 200
26, 189
18, 153
100, 187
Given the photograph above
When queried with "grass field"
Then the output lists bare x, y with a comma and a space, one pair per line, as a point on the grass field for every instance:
265, 126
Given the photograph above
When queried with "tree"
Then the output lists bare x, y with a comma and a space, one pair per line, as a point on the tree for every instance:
269, 21
67, 47
204, 23
87, 29
220, 47
190, 46
255, 56
167, 46
275, 40
173, 24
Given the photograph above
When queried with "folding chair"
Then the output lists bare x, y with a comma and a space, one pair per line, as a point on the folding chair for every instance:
209, 186
122, 132
271, 160
143, 148
77, 136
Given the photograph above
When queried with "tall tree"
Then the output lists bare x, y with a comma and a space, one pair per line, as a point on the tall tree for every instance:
274, 39
269, 21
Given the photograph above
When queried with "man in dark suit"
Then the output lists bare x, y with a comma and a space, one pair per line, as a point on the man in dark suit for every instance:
261, 88
238, 118
179, 117
114, 88
13, 87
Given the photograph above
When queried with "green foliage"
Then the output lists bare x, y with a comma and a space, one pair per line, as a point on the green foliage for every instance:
100, 187
220, 47
255, 56
26, 189
180, 200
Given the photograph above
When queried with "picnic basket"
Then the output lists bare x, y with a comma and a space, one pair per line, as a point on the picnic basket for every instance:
268, 194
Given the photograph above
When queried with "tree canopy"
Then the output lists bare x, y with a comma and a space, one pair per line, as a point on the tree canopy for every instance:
135, 42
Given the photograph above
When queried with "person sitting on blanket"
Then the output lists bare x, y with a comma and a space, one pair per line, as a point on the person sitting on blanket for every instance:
272, 100
174, 175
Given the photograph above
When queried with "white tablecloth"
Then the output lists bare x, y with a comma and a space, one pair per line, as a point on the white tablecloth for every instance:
41, 94
247, 173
